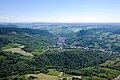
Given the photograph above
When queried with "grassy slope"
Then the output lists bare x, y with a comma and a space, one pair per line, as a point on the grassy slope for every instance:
51, 75
15, 48
53, 72
11, 45
43, 76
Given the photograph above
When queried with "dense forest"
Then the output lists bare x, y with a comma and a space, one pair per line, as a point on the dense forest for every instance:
66, 61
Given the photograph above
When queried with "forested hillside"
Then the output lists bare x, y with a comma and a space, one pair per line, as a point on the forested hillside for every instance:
98, 38
5, 30
67, 61
34, 40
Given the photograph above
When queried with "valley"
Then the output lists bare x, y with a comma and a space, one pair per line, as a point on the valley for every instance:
44, 53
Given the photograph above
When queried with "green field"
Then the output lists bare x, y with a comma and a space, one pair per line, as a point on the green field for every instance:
11, 45
16, 48
53, 74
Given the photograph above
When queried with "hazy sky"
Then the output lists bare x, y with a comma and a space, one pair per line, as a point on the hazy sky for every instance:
59, 10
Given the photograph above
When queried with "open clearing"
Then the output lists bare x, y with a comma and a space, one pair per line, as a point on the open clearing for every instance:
43, 76
19, 50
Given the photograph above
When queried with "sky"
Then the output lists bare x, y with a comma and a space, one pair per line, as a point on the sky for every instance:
59, 10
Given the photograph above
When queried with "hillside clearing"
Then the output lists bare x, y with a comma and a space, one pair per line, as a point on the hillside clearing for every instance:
19, 50
43, 76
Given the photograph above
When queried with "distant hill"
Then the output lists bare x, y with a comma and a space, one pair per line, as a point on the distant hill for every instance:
34, 40
5, 30
98, 38
117, 31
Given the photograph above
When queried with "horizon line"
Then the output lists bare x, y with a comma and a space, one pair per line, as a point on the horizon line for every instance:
59, 22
